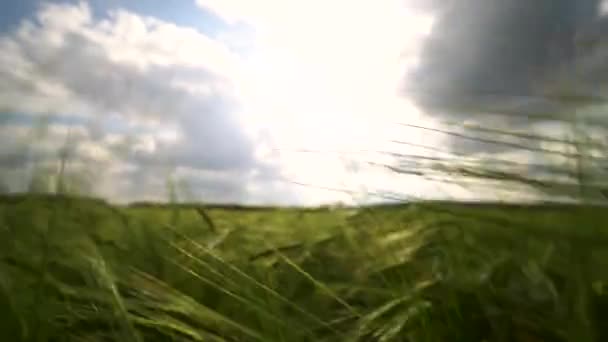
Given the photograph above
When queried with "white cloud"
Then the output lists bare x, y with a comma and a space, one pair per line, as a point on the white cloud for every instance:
324, 77
158, 97
316, 75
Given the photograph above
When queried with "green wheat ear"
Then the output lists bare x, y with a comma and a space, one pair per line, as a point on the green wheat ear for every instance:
73, 269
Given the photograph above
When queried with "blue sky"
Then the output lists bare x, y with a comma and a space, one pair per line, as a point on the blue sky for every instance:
224, 95
180, 12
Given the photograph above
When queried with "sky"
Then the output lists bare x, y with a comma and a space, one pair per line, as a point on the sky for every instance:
277, 101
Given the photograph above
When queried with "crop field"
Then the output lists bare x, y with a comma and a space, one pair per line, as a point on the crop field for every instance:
79, 269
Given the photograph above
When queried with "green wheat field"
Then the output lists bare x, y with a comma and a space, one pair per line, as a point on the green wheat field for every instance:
80, 269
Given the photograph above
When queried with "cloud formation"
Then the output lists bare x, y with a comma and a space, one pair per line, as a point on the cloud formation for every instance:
500, 54
510, 65
158, 97
135, 101
526, 66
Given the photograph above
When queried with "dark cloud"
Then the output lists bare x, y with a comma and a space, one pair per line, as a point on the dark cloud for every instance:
509, 58
483, 54
13, 160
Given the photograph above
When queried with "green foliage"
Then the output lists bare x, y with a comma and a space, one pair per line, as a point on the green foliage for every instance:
77, 269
